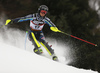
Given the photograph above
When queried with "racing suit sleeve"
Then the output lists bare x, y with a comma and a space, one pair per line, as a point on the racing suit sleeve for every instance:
21, 19
49, 22
52, 26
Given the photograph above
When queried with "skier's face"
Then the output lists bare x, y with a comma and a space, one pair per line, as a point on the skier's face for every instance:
43, 13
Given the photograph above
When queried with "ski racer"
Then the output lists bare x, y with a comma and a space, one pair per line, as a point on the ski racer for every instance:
35, 34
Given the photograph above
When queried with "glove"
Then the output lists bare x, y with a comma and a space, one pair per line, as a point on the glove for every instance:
8, 21
55, 29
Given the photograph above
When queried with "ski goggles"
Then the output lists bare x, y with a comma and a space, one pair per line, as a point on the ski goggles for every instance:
43, 11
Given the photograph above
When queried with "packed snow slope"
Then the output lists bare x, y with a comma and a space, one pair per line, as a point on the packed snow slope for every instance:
15, 60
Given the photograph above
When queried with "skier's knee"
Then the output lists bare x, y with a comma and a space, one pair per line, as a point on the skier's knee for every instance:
42, 40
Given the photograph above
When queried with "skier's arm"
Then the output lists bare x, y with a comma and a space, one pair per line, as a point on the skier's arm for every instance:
52, 26
49, 22
21, 19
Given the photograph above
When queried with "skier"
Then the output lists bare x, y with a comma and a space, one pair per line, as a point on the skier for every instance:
35, 34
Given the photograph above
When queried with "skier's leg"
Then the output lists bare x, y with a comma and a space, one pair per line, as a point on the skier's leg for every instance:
49, 50
46, 46
35, 43
41, 39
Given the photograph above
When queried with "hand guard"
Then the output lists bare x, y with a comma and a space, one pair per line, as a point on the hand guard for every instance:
8, 21
55, 29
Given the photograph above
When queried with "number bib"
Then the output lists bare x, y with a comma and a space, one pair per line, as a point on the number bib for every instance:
36, 25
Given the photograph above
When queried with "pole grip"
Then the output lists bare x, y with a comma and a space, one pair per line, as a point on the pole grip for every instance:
7, 21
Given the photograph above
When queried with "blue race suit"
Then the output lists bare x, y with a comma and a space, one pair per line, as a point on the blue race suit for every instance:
36, 25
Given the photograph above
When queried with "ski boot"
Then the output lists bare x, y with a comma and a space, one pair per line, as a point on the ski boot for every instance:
55, 58
38, 50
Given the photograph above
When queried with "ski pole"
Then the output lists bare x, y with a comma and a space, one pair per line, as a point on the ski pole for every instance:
78, 38
2, 26
26, 39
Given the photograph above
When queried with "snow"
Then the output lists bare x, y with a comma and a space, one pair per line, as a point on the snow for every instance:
15, 60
